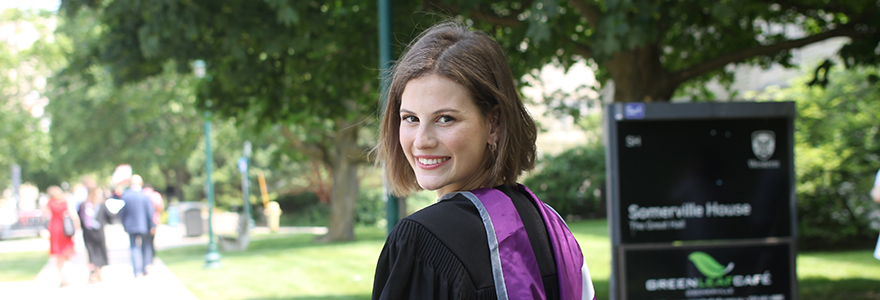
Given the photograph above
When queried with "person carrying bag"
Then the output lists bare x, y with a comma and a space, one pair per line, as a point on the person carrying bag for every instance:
67, 222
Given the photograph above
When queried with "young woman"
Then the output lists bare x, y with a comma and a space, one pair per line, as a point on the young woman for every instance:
93, 216
60, 245
454, 123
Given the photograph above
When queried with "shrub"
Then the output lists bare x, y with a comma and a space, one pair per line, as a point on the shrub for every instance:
306, 210
573, 182
370, 207
837, 154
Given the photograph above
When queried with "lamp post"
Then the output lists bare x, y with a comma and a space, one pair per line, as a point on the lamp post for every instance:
391, 205
212, 258
245, 183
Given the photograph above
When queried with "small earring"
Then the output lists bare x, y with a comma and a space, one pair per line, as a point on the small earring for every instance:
493, 147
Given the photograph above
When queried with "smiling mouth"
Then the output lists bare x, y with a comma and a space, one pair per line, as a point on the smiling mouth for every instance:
432, 161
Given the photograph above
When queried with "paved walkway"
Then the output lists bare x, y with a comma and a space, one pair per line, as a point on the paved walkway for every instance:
119, 281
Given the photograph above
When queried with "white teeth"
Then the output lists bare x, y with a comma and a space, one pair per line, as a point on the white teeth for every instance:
432, 161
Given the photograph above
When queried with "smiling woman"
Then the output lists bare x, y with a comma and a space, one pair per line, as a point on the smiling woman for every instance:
444, 135
455, 124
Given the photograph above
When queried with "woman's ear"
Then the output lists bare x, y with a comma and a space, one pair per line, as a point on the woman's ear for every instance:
494, 121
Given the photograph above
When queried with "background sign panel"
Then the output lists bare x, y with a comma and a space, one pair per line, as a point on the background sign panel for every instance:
727, 272
704, 179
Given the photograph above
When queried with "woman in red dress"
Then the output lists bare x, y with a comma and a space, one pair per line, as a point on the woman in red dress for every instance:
60, 245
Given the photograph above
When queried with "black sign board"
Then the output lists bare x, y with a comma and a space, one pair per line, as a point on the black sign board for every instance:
700, 272
709, 174
703, 179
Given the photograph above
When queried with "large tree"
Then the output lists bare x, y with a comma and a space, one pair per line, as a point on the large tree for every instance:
309, 67
27, 57
654, 50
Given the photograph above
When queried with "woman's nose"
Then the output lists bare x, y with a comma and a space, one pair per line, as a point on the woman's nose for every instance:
425, 137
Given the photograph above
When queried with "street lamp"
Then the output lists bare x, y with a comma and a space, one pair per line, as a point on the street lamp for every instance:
391, 202
212, 258
245, 183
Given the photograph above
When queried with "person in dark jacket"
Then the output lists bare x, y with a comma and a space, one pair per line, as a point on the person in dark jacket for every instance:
137, 220
454, 123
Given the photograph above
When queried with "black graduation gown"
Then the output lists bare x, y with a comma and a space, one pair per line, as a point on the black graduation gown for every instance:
94, 239
441, 252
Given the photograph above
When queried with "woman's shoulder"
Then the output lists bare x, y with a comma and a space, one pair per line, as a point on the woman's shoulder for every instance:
453, 210
448, 233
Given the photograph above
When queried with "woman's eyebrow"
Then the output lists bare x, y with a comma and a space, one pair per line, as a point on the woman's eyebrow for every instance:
439, 111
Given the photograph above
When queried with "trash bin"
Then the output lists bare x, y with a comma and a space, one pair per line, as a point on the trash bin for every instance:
192, 217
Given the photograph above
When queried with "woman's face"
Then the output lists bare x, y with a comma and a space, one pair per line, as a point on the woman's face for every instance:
443, 134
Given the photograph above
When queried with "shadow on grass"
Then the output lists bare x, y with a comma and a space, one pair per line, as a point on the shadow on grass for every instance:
844, 289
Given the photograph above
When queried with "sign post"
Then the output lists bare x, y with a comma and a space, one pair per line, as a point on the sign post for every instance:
702, 200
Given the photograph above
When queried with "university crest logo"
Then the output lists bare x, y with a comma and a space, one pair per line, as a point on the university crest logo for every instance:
763, 144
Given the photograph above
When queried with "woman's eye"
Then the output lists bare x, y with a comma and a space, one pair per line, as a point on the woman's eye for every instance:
410, 119
445, 119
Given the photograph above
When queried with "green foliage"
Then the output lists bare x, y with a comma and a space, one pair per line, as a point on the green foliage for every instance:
837, 147
370, 206
306, 210
305, 69
572, 182
290, 204
26, 59
659, 49
151, 125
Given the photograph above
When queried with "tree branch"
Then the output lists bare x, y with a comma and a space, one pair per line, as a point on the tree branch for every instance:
495, 19
741, 55
309, 150
492, 18
582, 50
589, 11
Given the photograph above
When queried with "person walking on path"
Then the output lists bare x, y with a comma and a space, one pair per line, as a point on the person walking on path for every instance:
60, 245
93, 215
158, 206
137, 220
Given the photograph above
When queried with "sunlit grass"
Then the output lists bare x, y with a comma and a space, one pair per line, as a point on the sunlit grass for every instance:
22, 266
283, 266
839, 275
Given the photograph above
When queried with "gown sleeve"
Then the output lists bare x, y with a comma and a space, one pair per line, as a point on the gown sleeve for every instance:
411, 266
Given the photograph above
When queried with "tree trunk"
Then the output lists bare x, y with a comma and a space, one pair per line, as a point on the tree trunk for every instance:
640, 77
182, 176
345, 184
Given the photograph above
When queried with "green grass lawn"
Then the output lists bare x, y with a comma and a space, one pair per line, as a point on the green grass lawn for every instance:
838, 275
283, 267
294, 267
22, 266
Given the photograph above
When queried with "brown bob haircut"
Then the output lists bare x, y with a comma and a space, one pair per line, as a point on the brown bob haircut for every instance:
475, 61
